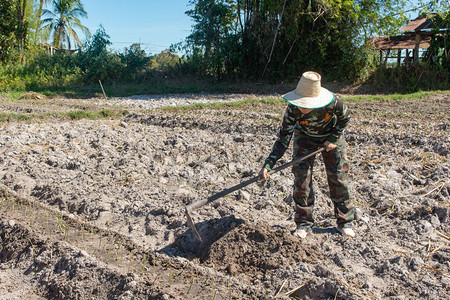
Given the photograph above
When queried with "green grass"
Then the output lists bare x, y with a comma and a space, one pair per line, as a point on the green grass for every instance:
242, 104
246, 103
9, 117
64, 116
123, 90
413, 96
168, 86
14, 95
94, 115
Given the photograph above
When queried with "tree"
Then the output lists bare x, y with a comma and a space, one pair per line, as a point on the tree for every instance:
63, 20
439, 51
279, 39
213, 24
22, 27
97, 63
14, 28
39, 15
165, 60
7, 29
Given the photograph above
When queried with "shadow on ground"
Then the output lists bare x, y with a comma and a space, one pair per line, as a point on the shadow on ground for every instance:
211, 231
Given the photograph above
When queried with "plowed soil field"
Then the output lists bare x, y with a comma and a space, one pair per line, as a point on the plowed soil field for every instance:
95, 209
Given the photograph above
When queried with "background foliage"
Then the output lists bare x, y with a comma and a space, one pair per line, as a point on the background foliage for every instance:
279, 39
231, 41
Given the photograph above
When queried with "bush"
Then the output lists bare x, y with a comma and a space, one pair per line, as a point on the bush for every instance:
96, 62
412, 79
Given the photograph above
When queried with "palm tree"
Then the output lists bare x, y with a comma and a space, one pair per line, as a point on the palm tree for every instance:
63, 20
39, 22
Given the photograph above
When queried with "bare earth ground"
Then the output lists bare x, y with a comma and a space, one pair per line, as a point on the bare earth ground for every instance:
95, 209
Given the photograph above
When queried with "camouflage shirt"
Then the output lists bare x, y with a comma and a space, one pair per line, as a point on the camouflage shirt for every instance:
326, 123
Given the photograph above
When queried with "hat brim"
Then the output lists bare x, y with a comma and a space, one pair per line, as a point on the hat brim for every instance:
323, 99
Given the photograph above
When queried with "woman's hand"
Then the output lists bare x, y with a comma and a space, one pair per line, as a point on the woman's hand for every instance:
330, 146
263, 174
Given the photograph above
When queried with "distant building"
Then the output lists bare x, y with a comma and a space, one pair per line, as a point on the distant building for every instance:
50, 49
417, 35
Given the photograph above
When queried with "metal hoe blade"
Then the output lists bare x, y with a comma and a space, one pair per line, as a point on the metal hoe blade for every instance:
192, 226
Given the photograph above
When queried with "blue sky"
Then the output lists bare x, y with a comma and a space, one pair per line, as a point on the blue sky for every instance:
155, 23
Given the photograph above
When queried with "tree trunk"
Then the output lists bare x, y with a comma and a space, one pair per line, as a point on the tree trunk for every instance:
38, 26
60, 34
21, 7
274, 39
239, 15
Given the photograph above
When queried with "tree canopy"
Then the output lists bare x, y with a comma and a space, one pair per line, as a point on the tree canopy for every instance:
248, 40
7, 28
281, 38
63, 21
21, 26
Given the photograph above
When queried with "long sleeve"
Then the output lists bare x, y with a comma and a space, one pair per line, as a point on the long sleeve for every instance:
283, 140
342, 114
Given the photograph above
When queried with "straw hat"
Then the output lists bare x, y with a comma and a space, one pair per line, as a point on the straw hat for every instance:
309, 93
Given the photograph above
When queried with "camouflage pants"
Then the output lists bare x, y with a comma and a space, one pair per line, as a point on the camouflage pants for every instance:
336, 165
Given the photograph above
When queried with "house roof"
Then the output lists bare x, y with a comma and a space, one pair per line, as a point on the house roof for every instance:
399, 42
417, 24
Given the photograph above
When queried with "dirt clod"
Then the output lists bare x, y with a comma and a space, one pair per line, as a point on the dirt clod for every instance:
257, 249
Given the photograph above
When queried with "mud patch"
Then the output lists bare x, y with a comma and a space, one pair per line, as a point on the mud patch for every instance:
257, 249
211, 232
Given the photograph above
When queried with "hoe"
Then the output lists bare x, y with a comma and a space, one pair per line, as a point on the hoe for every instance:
210, 199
